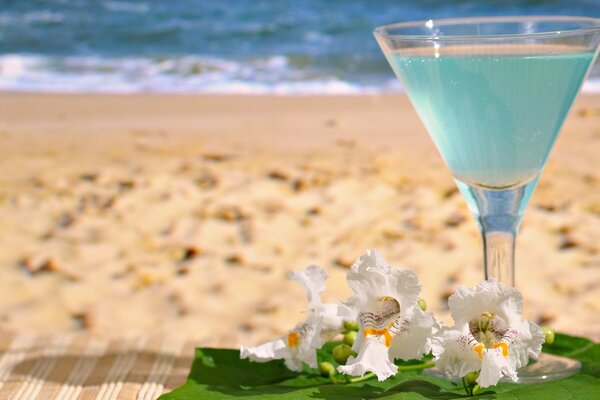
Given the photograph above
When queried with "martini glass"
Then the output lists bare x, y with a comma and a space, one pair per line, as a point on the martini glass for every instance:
493, 94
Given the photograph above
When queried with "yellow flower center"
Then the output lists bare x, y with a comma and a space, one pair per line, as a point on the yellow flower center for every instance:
490, 331
382, 319
503, 346
377, 332
293, 340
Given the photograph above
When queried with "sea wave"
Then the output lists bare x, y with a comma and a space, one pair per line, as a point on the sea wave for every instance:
184, 74
279, 75
121, 6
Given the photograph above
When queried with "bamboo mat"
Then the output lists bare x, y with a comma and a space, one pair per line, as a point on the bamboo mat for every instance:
77, 366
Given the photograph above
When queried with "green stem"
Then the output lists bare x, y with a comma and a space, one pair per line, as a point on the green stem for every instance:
363, 378
403, 368
416, 367
338, 381
466, 386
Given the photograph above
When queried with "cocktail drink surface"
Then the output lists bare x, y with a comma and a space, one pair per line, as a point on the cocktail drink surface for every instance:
493, 94
495, 112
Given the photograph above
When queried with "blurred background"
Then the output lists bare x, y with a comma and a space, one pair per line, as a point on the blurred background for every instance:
144, 189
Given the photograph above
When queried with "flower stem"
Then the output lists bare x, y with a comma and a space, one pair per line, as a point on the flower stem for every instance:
403, 368
338, 381
467, 387
470, 387
363, 378
416, 367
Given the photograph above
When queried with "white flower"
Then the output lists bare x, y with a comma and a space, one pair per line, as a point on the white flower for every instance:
392, 326
488, 336
373, 356
301, 343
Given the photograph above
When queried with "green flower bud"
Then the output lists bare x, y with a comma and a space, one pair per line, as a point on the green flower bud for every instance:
549, 333
341, 352
326, 369
351, 326
350, 337
471, 377
422, 304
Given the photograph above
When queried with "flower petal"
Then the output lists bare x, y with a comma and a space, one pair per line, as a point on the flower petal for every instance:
313, 279
386, 299
322, 323
331, 322
274, 350
416, 341
310, 340
371, 277
371, 260
405, 287
453, 353
373, 357
528, 344
293, 364
367, 277
488, 296
493, 367
510, 341
348, 310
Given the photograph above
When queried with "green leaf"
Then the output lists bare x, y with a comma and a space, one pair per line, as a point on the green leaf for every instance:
220, 374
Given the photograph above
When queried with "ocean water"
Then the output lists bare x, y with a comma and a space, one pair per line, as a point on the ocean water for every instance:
494, 118
224, 46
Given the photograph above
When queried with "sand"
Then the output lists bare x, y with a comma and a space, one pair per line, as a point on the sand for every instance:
182, 215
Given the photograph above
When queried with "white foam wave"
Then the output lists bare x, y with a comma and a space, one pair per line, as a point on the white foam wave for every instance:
120, 6
185, 74
43, 16
592, 85
330, 86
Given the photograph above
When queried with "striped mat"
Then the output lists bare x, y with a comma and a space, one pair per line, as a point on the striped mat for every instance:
77, 366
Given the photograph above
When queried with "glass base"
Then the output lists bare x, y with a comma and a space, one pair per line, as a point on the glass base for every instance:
547, 368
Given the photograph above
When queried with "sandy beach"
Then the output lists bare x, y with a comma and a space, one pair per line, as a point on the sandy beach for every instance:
182, 215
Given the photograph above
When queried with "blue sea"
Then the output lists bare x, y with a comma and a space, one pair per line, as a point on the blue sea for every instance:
221, 46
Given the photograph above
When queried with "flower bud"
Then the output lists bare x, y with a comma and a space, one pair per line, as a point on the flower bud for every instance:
326, 369
341, 352
549, 333
422, 304
350, 337
471, 377
351, 326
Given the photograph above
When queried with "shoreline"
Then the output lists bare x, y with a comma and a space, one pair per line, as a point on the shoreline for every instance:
591, 87
165, 213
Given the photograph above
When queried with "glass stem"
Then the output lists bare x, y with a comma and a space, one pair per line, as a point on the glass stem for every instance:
498, 252
498, 212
